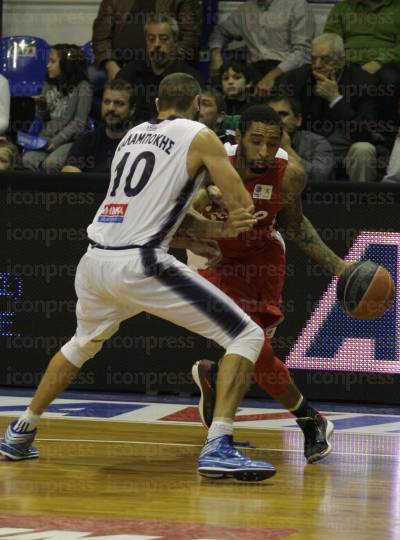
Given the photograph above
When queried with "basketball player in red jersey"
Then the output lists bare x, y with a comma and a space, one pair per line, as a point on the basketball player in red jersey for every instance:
251, 269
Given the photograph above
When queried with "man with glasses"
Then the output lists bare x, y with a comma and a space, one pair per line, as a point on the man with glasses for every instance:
337, 102
370, 31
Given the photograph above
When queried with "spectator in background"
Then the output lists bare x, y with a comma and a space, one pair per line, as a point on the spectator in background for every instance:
235, 84
4, 105
212, 114
63, 107
336, 103
313, 151
94, 151
118, 30
212, 108
9, 155
370, 30
161, 34
277, 35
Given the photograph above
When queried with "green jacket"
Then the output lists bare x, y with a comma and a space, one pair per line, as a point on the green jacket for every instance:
367, 34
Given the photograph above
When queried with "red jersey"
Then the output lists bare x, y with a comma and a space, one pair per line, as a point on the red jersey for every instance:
252, 268
266, 193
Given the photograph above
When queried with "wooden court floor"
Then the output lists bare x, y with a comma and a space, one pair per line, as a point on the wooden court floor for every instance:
115, 472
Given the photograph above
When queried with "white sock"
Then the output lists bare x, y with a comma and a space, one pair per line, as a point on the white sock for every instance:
220, 427
27, 422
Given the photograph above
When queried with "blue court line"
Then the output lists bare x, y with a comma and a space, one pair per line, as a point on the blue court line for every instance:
364, 408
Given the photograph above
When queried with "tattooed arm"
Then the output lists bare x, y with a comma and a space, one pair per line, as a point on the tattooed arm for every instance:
298, 228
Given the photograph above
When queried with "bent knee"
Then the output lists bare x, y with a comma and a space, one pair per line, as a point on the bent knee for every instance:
79, 354
248, 343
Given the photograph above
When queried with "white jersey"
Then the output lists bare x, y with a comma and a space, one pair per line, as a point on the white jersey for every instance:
150, 189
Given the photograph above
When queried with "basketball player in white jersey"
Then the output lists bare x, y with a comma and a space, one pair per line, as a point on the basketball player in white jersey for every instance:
156, 172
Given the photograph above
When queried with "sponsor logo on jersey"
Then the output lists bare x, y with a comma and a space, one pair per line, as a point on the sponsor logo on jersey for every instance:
113, 213
261, 191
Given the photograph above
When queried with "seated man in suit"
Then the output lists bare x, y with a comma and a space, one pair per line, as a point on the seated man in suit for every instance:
336, 101
370, 32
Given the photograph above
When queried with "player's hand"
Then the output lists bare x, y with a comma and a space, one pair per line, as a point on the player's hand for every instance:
215, 195
206, 248
239, 221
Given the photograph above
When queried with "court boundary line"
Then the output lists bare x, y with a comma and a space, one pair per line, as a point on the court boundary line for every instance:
190, 445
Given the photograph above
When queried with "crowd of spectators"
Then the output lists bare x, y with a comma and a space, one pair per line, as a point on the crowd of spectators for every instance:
338, 93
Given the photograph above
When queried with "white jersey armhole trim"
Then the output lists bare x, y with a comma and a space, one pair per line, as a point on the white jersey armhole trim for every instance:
187, 156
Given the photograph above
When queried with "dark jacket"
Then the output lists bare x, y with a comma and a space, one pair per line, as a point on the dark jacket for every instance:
109, 23
353, 115
145, 84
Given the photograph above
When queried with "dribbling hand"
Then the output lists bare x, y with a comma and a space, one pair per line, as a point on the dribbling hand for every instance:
239, 221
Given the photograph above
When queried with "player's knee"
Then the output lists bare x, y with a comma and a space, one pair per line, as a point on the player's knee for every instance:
248, 343
77, 354
257, 337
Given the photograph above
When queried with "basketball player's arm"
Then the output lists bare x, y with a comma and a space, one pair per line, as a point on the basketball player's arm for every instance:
195, 225
207, 151
298, 228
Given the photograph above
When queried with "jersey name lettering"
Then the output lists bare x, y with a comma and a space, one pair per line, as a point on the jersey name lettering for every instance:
161, 141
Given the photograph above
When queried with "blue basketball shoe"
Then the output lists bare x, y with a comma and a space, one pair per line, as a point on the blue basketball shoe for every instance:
219, 459
17, 445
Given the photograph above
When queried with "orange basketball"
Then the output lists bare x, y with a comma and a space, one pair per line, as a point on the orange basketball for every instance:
365, 290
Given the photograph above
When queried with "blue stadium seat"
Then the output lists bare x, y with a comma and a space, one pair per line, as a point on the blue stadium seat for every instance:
23, 62
88, 52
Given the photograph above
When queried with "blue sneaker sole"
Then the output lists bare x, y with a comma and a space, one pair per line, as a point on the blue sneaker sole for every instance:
13, 454
244, 475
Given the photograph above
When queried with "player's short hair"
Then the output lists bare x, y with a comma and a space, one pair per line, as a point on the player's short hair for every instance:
293, 102
213, 93
119, 85
259, 113
161, 19
177, 91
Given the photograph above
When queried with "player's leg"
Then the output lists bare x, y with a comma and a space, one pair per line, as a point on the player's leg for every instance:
181, 296
63, 367
97, 320
272, 375
274, 378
